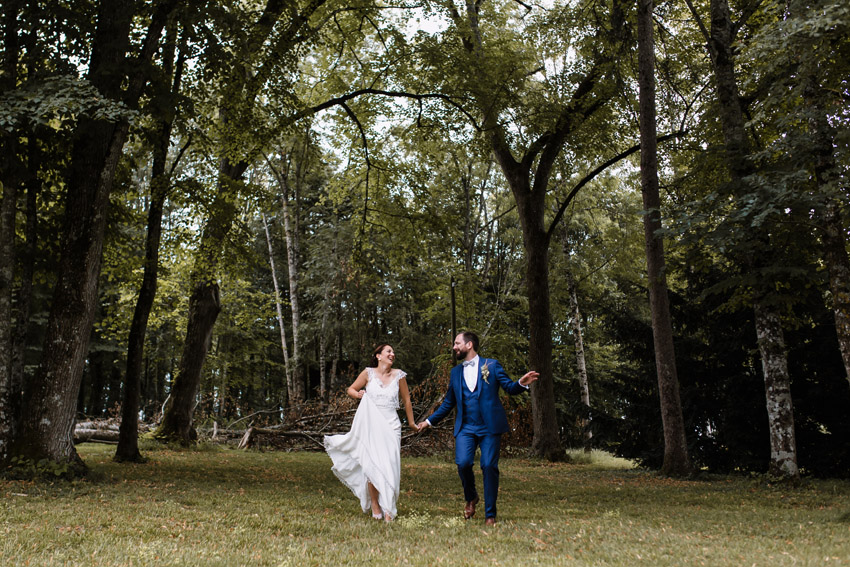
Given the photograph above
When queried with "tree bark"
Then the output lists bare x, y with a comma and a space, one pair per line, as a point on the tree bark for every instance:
324, 338
298, 391
546, 442
177, 421
838, 266
26, 262
777, 385
7, 275
581, 364
278, 305
676, 461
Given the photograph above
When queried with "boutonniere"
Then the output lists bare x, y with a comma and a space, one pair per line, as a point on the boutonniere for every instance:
485, 373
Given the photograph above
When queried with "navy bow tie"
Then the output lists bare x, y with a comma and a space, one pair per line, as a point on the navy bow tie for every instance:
468, 362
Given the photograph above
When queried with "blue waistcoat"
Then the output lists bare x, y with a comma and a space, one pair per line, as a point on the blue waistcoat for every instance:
471, 407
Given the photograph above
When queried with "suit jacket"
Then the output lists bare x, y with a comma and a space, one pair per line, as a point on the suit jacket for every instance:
492, 410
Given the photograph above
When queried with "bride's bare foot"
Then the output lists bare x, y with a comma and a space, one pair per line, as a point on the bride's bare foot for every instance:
388, 518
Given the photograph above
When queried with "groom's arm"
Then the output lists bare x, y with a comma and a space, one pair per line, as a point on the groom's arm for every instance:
508, 385
448, 405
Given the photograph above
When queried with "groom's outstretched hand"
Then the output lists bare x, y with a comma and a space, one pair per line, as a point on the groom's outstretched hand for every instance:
529, 377
421, 426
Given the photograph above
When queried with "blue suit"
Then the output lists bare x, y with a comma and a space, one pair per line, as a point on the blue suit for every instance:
480, 421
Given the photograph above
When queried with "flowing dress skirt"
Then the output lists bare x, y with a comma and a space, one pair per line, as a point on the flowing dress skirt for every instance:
370, 451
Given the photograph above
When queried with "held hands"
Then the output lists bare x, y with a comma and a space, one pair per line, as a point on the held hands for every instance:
528, 378
421, 426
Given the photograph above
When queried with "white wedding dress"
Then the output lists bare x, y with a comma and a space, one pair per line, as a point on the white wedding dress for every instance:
371, 451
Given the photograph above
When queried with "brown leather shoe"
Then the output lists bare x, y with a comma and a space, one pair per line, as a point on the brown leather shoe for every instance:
469, 509
491, 521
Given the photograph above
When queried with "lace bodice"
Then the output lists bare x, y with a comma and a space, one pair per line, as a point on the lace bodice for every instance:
385, 396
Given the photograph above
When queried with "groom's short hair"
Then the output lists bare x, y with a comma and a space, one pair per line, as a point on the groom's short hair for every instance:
470, 337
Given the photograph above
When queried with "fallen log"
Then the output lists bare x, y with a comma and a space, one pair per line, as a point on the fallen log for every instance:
102, 435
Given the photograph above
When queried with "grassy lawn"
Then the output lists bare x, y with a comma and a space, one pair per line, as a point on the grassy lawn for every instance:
220, 506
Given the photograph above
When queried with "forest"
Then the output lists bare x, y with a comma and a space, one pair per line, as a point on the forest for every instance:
217, 208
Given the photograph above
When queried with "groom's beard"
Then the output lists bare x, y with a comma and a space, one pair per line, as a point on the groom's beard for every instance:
461, 353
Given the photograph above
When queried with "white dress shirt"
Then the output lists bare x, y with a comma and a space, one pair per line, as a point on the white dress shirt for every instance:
470, 373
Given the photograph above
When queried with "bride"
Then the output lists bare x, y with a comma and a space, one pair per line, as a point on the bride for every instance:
367, 459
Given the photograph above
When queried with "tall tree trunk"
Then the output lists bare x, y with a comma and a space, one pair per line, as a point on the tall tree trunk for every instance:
299, 381
324, 386
676, 461
128, 434
278, 305
546, 442
177, 421
204, 307
329, 294
7, 262
721, 41
581, 364
96, 379
777, 385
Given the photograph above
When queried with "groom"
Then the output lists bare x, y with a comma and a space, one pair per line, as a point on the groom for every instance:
481, 420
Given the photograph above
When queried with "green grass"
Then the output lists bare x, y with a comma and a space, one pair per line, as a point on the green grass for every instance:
227, 507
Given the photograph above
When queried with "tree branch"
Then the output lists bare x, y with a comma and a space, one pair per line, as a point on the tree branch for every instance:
700, 23
398, 94
366, 150
746, 14
590, 176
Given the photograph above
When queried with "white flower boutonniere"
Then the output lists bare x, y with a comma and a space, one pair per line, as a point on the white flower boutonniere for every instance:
485, 373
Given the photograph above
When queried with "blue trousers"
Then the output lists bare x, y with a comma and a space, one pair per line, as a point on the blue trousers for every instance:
467, 441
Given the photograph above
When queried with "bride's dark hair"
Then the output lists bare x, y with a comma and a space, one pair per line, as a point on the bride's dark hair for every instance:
378, 349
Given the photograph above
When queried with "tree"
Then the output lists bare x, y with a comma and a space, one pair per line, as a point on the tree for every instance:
168, 92
676, 461
801, 98
50, 400
494, 90
738, 154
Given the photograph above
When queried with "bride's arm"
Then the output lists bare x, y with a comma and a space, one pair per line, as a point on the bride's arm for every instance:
404, 392
356, 389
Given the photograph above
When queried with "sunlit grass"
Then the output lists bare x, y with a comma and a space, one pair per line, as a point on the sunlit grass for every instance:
228, 507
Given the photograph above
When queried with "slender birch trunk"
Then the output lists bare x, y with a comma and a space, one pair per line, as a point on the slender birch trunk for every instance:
581, 365
299, 384
777, 385
280, 322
